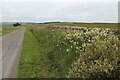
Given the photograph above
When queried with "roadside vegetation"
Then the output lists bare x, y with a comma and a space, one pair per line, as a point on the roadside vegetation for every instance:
58, 53
29, 64
88, 25
0, 30
8, 29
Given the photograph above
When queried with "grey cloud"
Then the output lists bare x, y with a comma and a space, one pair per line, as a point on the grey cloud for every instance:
62, 11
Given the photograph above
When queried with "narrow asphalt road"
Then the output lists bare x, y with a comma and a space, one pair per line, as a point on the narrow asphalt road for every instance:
11, 45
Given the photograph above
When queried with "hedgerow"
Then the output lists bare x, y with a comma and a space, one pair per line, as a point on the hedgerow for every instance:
88, 53
99, 58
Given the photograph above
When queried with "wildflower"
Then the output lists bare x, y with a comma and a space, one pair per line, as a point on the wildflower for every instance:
76, 51
78, 60
68, 50
88, 40
71, 46
74, 43
77, 48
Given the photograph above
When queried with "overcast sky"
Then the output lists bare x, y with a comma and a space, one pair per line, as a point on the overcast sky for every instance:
68, 11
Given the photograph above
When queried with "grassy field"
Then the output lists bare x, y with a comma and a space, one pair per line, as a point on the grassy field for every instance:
41, 53
53, 53
0, 30
8, 29
89, 25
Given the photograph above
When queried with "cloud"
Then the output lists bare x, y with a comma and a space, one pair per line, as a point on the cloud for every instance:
60, 11
60, 0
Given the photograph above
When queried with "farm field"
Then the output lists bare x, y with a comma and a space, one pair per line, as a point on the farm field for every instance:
0, 30
88, 25
60, 53
7, 29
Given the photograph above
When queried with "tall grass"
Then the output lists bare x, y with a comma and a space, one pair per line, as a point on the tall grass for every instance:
89, 25
8, 29
56, 53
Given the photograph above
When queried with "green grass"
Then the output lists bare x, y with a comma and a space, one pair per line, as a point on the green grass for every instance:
92, 25
89, 25
0, 30
29, 55
45, 51
8, 29
55, 58
40, 56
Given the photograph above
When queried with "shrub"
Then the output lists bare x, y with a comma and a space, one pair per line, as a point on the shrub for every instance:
88, 53
17, 24
99, 60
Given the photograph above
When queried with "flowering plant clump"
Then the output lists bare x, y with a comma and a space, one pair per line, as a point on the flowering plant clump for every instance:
99, 56
79, 52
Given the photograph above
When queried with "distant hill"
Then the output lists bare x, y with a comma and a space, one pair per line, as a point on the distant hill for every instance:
50, 22
54, 22
7, 23
11, 23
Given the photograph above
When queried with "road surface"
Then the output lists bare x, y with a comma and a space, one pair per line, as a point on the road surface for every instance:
11, 44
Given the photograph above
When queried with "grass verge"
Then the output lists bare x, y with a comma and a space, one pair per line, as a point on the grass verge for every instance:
40, 56
27, 64
53, 53
8, 29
